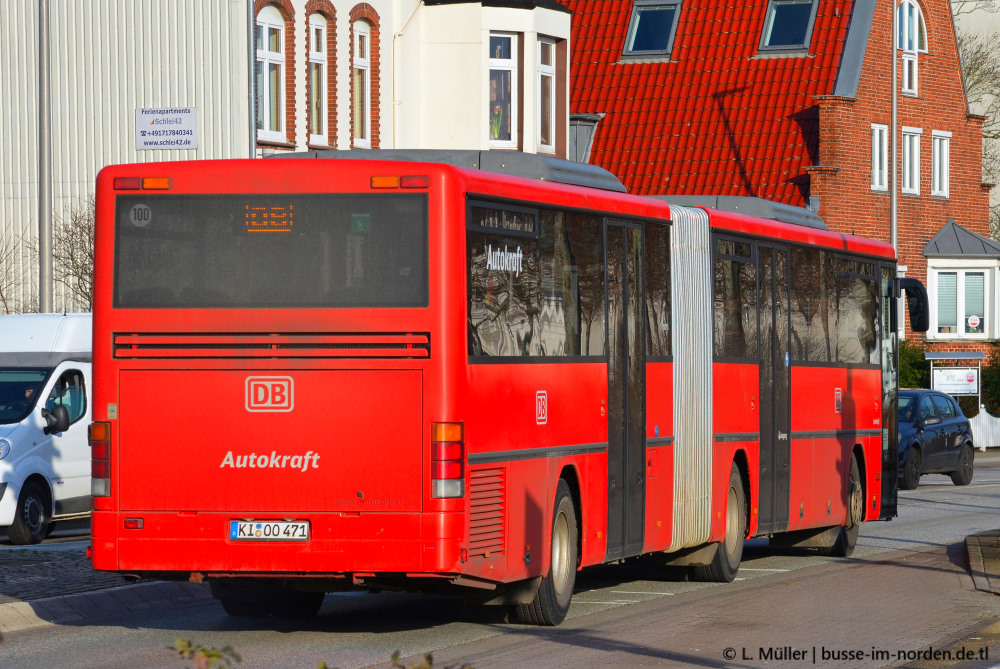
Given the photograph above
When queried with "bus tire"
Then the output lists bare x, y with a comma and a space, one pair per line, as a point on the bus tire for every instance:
555, 592
727, 558
297, 604
32, 516
847, 538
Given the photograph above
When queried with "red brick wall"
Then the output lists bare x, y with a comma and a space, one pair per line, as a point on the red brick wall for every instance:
847, 202
325, 8
288, 14
367, 13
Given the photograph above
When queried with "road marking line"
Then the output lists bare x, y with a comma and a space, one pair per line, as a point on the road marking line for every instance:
640, 592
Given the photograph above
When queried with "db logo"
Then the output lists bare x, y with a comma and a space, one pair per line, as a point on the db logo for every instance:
541, 407
269, 393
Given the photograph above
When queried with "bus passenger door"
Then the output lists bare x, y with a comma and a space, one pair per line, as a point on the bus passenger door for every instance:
775, 394
626, 390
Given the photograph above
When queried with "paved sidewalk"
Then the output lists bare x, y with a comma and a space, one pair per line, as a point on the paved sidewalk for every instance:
54, 584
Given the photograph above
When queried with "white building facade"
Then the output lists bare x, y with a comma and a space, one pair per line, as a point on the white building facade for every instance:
147, 80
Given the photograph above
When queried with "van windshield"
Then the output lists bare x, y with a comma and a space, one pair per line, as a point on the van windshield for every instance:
19, 390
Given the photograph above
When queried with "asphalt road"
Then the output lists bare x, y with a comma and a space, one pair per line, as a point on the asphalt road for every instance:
902, 560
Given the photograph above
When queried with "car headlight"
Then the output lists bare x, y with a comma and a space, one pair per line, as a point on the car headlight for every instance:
4, 448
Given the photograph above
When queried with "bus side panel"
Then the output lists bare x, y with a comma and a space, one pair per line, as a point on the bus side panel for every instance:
553, 416
736, 425
832, 410
659, 457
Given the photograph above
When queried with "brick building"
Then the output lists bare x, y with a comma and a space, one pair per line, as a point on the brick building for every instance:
790, 100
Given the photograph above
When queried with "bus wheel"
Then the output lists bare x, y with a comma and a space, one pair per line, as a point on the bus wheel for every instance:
296, 604
727, 559
551, 602
31, 518
847, 538
243, 600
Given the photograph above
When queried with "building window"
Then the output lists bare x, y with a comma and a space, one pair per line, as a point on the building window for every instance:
788, 24
361, 86
270, 74
503, 91
546, 68
961, 303
318, 101
940, 163
911, 161
880, 157
651, 29
911, 39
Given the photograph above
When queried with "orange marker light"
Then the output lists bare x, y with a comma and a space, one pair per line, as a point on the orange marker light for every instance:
385, 182
156, 183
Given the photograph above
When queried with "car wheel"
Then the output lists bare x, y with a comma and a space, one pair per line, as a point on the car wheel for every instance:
911, 471
31, 518
963, 475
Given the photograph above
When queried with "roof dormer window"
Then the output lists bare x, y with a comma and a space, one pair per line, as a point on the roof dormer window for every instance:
651, 29
788, 25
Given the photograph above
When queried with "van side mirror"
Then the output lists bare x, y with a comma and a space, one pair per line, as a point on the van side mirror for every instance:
916, 303
56, 420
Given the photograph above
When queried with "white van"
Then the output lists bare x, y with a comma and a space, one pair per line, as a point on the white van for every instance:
44, 415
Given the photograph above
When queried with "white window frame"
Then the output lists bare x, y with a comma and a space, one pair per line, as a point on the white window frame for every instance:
988, 270
910, 183
504, 65
362, 31
880, 157
318, 109
940, 163
542, 72
911, 39
270, 129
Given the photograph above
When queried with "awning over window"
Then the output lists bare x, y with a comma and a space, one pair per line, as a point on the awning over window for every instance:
953, 240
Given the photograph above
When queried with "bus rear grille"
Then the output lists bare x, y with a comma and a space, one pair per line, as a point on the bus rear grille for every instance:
392, 345
488, 507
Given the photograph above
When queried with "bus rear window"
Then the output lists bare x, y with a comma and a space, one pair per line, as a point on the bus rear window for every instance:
271, 251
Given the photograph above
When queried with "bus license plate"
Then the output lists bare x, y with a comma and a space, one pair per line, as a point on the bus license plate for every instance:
269, 530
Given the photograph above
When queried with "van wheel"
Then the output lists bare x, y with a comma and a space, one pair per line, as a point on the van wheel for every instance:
31, 519
551, 602
727, 558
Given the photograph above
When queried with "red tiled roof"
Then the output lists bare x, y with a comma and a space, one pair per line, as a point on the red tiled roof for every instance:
717, 118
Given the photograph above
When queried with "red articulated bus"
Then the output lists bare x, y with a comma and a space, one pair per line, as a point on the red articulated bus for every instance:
472, 373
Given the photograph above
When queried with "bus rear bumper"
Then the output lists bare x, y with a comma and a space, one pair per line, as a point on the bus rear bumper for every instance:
338, 545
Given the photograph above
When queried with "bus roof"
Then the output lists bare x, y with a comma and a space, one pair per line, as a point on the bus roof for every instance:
515, 163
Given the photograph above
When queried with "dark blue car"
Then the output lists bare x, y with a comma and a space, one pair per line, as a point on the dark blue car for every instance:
934, 438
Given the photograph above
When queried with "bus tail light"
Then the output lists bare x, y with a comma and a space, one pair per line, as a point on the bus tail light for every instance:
447, 460
405, 181
142, 183
100, 459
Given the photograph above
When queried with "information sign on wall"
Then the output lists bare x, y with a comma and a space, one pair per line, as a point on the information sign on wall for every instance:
166, 128
956, 380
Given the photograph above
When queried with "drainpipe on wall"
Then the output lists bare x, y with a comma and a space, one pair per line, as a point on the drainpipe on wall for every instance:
44, 164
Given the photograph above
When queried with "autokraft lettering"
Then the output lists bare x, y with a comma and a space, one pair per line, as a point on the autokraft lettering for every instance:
273, 461
269, 393
505, 261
